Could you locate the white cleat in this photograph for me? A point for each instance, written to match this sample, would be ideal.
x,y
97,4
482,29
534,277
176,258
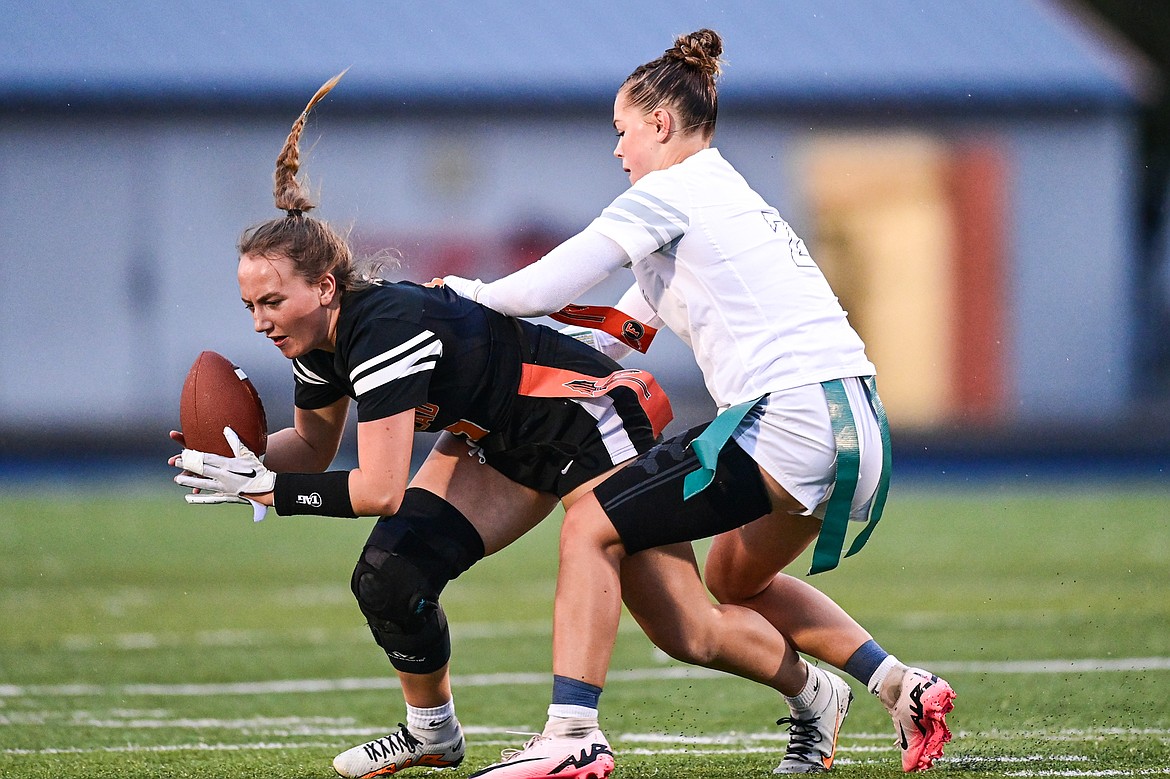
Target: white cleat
x,y
812,734
397,751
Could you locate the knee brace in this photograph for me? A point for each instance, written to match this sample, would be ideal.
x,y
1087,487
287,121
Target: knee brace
x,y
407,561
401,605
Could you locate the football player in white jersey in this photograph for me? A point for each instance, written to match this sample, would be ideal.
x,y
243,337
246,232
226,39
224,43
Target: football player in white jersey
x,y
800,447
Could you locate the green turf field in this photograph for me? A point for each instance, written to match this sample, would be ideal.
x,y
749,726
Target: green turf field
x,y
140,637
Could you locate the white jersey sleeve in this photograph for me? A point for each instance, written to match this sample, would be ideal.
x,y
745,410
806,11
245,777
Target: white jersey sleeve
x,y
644,220
552,282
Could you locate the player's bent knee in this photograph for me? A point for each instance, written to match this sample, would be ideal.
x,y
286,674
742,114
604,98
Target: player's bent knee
x,y
724,584
404,567
730,589
729,576
401,606
586,526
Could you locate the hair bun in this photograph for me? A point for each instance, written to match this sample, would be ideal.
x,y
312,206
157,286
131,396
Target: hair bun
x,y
700,49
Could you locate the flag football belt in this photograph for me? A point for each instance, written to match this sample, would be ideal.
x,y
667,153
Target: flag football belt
x,y
634,334
830,542
542,381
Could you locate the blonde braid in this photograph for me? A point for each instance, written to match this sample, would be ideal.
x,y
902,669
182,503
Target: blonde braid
x,y
290,194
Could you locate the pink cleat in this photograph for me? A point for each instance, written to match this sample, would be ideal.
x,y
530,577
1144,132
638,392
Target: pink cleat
x,y
553,757
920,718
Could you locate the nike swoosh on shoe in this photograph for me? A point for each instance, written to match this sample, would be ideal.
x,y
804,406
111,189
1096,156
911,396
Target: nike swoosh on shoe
x,y
507,765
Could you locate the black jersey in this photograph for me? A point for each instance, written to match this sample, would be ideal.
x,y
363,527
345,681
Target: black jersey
x,y
403,346
545,410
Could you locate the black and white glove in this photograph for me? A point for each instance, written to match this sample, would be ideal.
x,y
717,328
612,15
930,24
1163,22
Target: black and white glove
x,y
225,479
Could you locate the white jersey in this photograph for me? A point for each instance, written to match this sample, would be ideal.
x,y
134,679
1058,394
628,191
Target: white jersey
x,y
732,279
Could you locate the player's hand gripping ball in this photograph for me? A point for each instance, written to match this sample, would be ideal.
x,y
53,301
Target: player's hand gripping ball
x,y
216,395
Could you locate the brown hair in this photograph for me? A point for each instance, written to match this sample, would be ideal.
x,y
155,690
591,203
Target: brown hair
x,y
682,78
314,247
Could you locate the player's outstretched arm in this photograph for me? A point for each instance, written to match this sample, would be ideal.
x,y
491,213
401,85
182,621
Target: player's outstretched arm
x,y
550,283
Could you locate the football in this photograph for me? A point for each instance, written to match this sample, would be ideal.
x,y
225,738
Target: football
x,y
217,394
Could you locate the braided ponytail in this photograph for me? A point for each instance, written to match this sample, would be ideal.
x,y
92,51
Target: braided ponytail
x,y
290,194
314,248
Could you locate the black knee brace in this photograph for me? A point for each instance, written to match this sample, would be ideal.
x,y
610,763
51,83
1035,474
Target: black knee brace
x,y
407,561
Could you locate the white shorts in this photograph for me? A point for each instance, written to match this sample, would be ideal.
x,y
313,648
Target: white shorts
x,y
790,435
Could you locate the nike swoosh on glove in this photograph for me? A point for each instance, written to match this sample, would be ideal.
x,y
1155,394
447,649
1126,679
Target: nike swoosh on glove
x,y
228,479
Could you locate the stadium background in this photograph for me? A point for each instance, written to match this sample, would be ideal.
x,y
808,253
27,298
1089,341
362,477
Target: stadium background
x,y
983,183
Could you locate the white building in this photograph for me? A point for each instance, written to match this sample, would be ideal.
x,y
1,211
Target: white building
x,y
964,172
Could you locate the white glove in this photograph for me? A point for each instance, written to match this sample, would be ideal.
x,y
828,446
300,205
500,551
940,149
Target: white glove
x,y
259,510
212,498
465,288
224,479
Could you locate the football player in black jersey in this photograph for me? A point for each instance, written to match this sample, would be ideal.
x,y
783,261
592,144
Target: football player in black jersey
x,y
531,417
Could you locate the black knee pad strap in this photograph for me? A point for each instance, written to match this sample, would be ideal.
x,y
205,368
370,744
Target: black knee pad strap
x,y
428,529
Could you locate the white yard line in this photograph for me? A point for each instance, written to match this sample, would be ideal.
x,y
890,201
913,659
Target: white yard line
x,y
198,747
294,726
342,731
1108,772
1106,665
732,747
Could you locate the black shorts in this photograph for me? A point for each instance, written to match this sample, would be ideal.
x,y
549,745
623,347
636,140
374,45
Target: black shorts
x,y
644,500
556,444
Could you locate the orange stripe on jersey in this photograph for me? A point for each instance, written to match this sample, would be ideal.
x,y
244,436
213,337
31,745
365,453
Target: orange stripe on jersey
x,y
541,381
631,332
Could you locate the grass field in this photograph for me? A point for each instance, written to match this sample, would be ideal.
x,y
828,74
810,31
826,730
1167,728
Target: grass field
x,y
140,637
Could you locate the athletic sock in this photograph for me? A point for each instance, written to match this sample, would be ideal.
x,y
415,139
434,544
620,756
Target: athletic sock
x,y
439,721
878,679
572,692
573,711
570,721
862,664
803,700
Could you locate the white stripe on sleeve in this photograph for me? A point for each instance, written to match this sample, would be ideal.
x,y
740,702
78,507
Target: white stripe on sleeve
x,y
407,359
304,375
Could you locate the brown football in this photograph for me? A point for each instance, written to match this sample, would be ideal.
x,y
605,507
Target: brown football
x,y
217,394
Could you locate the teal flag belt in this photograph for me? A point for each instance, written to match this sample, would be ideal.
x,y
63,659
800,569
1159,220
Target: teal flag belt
x,y
830,542
708,444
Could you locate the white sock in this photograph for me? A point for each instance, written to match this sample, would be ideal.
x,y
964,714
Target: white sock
x,y
438,719
803,700
879,675
568,721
